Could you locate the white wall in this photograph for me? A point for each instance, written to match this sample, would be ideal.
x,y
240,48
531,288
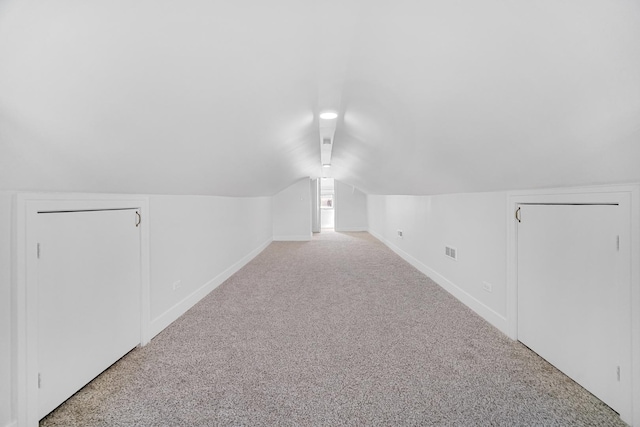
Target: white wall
x,y
482,229
475,224
5,309
292,212
200,241
350,208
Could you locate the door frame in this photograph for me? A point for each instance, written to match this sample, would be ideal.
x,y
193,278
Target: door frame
x,y
315,205
24,289
628,197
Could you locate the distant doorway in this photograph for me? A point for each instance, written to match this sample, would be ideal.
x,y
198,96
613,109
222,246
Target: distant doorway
x,y
327,204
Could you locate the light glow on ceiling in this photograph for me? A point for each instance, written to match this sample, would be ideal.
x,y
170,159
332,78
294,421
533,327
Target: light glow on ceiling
x,y
326,165
328,115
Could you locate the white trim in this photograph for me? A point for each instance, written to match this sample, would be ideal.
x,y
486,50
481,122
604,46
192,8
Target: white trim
x,y
145,261
351,229
495,319
302,238
27,206
629,196
170,315
13,304
635,306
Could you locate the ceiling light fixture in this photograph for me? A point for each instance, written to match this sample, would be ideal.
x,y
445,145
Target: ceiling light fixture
x,y
326,165
328,115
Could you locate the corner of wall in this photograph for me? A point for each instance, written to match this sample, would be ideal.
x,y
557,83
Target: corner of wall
x,y
291,211
351,208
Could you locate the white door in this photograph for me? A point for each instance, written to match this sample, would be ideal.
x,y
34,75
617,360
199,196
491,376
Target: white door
x,y
88,298
571,304
571,292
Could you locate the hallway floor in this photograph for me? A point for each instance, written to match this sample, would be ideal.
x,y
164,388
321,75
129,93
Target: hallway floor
x,y
336,331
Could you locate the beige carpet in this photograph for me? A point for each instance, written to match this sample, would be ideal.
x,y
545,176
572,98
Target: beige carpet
x,y
337,331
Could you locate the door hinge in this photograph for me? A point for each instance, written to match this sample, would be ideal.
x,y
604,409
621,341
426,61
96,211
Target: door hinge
x,y
38,250
618,373
618,242
39,380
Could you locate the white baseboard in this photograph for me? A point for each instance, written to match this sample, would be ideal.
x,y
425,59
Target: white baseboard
x,y
488,314
173,313
351,229
301,238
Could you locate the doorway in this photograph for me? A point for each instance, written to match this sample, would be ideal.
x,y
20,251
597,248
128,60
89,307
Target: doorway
x,y
327,204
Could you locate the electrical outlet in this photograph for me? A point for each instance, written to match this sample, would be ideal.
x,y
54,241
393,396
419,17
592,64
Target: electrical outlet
x,y
487,286
400,234
177,284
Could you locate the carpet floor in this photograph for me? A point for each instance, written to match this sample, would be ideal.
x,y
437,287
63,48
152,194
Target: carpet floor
x,y
336,331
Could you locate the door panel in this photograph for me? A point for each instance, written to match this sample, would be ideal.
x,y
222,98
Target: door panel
x,y
88,298
569,293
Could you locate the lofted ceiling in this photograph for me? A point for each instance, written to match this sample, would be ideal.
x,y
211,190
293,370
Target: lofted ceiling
x,y
222,98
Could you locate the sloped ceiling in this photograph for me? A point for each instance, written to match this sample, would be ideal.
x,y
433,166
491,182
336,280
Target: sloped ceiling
x,y
222,97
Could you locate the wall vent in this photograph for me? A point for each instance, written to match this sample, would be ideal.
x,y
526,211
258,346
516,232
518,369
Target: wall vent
x,y
326,141
451,252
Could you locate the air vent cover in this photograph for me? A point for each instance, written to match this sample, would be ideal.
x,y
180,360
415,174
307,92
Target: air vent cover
x,y
326,141
451,252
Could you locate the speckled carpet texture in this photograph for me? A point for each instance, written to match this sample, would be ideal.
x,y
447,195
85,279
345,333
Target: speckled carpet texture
x,y
336,331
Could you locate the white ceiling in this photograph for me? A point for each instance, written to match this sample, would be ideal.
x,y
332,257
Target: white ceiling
x,y
222,97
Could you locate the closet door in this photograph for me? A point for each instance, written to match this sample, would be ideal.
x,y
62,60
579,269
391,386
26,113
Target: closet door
x,y
573,292
88,298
